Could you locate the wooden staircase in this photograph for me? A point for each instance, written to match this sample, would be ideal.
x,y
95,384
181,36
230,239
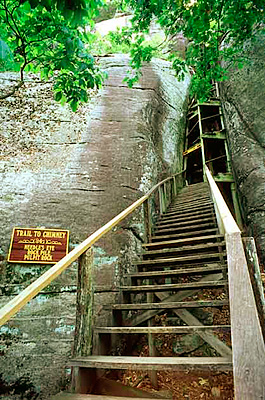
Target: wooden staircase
x,y
182,269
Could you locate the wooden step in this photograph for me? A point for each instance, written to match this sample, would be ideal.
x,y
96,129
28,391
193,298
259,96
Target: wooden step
x,y
175,286
152,363
206,225
190,207
181,271
180,219
158,329
184,229
184,234
186,201
187,194
165,261
170,305
182,213
183,241
183,224
182,249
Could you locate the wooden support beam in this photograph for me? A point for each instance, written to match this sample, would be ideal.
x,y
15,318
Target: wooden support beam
x,y
179,296
208,337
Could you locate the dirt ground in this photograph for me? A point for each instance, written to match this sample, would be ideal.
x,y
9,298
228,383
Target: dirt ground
x,y
186,385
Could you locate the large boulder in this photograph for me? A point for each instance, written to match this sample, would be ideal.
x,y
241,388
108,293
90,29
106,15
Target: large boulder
x,y
243,104
76,172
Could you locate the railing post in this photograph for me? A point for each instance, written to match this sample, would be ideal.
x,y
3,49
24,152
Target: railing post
x,y
160,200
174,186
84,312
84,316
147,221
165,195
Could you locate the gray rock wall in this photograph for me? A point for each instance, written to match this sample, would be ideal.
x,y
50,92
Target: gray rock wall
x,y
76,172
243,104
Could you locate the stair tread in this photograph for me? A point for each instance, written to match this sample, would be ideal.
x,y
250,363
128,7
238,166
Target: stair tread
x,y
179,271
154,237
168,305
154,363
173,286
177,241
191,204
188,211
184,248
187,227
158,329
173,219
178,259
192,199
184,223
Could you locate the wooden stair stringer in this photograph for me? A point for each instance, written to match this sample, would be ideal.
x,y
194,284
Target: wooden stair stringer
x,y
208,337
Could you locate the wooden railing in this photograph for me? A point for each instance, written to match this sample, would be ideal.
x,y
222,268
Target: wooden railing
x,y
247,339
165,189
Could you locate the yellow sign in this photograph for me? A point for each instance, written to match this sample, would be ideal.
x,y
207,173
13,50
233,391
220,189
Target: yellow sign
x,y
191,149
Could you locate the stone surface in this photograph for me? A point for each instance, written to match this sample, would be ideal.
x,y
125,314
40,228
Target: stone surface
x,y
77,171
243,104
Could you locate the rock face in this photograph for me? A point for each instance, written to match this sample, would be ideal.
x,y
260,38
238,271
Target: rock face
x,y
76,172
244,108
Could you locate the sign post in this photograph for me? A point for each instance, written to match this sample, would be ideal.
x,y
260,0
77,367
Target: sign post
x,y
38,246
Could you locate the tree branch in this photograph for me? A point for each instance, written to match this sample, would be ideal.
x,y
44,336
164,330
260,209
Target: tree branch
x,y
12,91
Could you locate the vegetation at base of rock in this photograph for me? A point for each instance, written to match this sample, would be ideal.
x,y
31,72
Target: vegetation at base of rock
x,y
215,29
44,37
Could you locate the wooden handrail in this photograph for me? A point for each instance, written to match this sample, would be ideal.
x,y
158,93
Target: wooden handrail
x,y
229,224
13,306
247,339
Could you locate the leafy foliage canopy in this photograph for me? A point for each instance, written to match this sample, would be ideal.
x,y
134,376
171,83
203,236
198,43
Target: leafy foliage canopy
x,y
215,30
45,36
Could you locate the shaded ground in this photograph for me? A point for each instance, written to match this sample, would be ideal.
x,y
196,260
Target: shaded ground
x,y
189,385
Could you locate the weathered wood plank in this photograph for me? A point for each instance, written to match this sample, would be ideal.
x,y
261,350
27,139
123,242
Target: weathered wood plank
x,y
195,247
176,286
170,305
84,305
173,260
185,234
182,224
159,231
159,329
180,241
152,363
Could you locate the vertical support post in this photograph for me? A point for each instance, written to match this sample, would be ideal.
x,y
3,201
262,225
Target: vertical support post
x,y
165,195
174,186
236,206
84,316
160,200
202,144
147,221
228,159
151,345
